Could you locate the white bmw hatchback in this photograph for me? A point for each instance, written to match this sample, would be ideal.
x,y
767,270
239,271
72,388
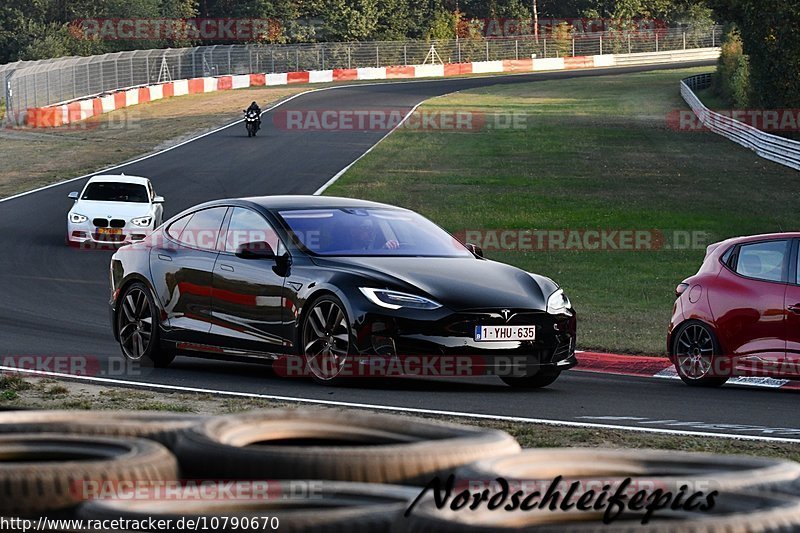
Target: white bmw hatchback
x,y
113,209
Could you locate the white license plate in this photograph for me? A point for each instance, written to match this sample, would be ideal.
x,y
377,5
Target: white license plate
x,y
504,333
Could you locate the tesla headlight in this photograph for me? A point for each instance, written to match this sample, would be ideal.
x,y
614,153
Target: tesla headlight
x,y
396,300
558,303
77,218
142,221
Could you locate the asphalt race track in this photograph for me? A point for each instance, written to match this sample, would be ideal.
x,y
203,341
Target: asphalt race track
x,y
53,300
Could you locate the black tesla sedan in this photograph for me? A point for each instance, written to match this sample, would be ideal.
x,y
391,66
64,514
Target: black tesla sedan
x,y
344,287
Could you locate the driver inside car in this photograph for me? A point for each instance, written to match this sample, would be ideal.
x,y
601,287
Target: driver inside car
x,y
363,234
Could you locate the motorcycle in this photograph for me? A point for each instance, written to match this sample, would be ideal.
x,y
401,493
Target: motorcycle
x,y
251,122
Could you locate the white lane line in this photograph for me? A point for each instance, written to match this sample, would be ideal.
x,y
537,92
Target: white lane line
x,y
187,141
154,154
567,75
413,410
357,159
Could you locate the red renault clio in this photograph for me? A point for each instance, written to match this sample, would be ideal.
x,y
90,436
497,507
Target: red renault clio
x,y
740,314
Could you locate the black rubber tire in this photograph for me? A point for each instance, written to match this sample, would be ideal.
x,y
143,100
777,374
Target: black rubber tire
x,y
671,469
708,381
537,381
334,445
161,427
336,381
157,354
734,512
41,473
328,506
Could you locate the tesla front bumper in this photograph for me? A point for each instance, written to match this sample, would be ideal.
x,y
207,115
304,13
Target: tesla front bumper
x,y
447,343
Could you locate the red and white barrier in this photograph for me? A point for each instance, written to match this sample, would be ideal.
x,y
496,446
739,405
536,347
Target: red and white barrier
x,y
58,115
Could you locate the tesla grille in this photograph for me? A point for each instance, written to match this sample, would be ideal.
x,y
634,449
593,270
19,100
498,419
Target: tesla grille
x,y
117,223
100,222
465,323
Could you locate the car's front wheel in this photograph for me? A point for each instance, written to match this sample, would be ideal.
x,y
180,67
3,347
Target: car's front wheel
x,y
696,350
536,381
137,327
326,340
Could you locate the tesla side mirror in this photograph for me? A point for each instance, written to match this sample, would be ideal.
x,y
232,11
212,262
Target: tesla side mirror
x,y
158,200
73,196
255,250
476,250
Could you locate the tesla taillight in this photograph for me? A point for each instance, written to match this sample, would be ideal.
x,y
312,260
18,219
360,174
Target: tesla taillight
x,y
680,289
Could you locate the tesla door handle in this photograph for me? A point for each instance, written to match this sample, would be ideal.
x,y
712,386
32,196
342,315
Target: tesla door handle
x,y
164,257
795,308
226,268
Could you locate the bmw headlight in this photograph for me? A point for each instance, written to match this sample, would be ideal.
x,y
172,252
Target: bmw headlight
x,y
396,300
142,221
558,303
77,218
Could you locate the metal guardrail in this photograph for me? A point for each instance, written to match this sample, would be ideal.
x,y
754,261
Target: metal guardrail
x,y
55,81
766,145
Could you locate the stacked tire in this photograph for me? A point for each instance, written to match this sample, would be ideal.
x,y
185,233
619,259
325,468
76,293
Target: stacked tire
x,y
325,470
328,470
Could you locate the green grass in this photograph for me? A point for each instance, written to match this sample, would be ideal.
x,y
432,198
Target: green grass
x,y
13,383
596,154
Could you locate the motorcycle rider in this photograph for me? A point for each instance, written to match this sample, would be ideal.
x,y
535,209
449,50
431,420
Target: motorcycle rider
x,y
254,107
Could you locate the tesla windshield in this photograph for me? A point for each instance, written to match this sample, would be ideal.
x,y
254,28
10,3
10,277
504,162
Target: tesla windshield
x,y
115,192
373,231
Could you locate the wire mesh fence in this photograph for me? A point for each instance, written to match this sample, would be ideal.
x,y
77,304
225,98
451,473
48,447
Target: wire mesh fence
x,y
41,83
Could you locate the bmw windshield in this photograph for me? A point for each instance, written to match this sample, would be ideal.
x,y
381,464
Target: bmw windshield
x,y
107,191
370,232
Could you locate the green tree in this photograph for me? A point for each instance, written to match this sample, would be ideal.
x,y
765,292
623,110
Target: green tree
x,y
443,26
349,20
771,40
732,79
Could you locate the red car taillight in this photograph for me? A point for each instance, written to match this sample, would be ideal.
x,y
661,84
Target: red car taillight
x,y
680,289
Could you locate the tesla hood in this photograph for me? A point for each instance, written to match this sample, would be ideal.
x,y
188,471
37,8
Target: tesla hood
x,y
458,283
